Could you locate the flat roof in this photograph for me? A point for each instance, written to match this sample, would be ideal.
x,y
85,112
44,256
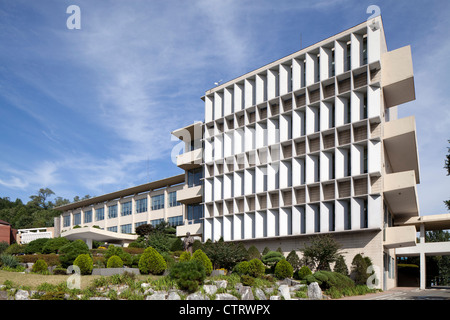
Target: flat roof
x,y
123,193
314,46
431,222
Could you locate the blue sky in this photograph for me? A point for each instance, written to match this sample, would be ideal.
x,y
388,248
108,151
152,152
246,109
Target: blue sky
x,y
90,111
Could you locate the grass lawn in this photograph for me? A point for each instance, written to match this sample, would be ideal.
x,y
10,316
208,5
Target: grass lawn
x,y
32,280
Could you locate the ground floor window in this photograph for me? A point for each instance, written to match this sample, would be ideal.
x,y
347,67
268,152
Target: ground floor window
x,y
125,228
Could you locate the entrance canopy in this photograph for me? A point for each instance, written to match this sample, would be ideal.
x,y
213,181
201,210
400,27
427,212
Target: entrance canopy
x,y
89,234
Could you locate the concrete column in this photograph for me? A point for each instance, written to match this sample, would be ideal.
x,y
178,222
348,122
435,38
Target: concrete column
x,y
105,216
166,202
133,212
89,243
422,259
119,210
422,271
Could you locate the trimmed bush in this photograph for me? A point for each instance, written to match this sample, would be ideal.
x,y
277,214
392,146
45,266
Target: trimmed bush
x,y
200,256
256,268
85,263
283,270
293,259
152,262
359,269
69,252
112,250
253,253
341,266
242,267
53,245
36,246
185,256
59,271
271,258
114,262
328,280
40,266
188,275
304,272
247,280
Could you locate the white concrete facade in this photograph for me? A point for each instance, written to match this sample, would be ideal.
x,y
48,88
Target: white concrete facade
x,y
296,148
122,211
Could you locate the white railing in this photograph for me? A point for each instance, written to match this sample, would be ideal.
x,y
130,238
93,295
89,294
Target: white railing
x,y
30,236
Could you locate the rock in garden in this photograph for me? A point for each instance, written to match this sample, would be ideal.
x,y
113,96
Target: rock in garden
x,y
260,294
158,295
210,288
225,296
284,291
197,296
173,296
314,291
275,298
221,284
246,293
22,295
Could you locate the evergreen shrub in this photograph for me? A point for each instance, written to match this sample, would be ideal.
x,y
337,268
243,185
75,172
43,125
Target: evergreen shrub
x,y
114,262
85,263
188,274
200,256
152,262
283,269
40,266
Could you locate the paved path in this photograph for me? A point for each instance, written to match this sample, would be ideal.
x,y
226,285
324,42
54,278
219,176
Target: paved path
x,y
406,293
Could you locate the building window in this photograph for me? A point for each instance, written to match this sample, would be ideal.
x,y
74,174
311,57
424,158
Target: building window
x,y
88,216
140,223
125,228
66,221
112,211
126,209
77,219
141,205
99,214
112,229
175,221
173,199
156,222
158,202
194,213
194,177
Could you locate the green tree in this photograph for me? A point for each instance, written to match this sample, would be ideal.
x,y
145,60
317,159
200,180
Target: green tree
x,y
294,260
69,252
224,254
322,251
253,253
341,266
40,200
271,258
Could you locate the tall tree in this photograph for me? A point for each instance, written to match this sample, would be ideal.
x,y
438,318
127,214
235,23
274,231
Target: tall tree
x,y
40,199
322,251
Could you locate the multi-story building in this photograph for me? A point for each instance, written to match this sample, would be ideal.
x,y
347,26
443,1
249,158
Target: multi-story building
x,y
311,144
114,217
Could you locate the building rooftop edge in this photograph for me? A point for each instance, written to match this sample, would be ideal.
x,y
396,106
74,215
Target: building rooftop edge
x,y
290,56
125,192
